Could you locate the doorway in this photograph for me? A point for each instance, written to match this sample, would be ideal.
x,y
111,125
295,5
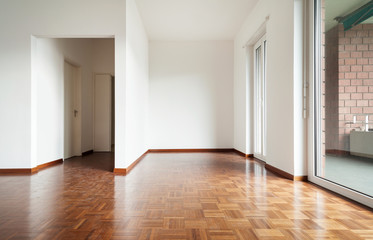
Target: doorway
x,y
63,71
72,110
260,49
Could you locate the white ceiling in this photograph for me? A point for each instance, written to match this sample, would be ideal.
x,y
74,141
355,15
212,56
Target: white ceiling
x,y
340,8
193,19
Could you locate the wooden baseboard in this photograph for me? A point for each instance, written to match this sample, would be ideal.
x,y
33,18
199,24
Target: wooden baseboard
x,y
197,150
243,154
337,152
121,171
259,160
29,171
87,153
279,172
49,164
285,174
130,167
301,178
239,153
11,171
125,171
190,150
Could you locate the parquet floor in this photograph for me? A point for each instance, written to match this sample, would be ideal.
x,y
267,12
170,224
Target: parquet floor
x,y
173,196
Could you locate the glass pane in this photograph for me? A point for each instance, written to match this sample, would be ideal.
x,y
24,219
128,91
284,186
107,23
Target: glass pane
x,y
345,97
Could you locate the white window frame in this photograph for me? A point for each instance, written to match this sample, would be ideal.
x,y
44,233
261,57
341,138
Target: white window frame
x,y
260,108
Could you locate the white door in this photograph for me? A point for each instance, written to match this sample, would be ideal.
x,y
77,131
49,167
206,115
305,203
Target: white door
x,y
72,121
260,134
103,113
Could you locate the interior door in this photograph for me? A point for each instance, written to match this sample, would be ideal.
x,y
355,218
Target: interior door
x,y
72,132
260,49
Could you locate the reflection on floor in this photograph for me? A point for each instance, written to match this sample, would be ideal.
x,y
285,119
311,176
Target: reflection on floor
x,y
351,171
173,196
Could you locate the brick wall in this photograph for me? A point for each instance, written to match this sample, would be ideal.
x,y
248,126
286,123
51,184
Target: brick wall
x,y
354,79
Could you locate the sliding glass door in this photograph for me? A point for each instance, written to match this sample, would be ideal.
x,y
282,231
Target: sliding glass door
x,y
260,49
343,97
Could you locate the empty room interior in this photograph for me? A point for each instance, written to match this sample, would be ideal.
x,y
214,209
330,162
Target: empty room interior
x,y
186,119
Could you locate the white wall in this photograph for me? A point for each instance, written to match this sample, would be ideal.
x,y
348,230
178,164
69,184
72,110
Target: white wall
x,y
48,70
137,86
19,20
300,126
191,94
103,56
283,115
104,62
103,113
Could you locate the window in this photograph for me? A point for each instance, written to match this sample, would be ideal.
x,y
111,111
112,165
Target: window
x,y
260,49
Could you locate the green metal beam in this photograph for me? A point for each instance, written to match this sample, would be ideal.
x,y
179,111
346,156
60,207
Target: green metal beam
x,y
356,17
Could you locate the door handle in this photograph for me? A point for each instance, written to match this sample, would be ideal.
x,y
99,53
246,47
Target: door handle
x,y
75,112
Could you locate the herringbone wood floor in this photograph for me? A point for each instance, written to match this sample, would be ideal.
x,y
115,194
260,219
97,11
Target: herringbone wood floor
x,y
173,196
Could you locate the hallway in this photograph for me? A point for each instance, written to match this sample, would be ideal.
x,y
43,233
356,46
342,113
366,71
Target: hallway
x,y
173,196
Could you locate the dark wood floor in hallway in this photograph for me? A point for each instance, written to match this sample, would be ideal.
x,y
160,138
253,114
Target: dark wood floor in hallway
x,y
173,196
